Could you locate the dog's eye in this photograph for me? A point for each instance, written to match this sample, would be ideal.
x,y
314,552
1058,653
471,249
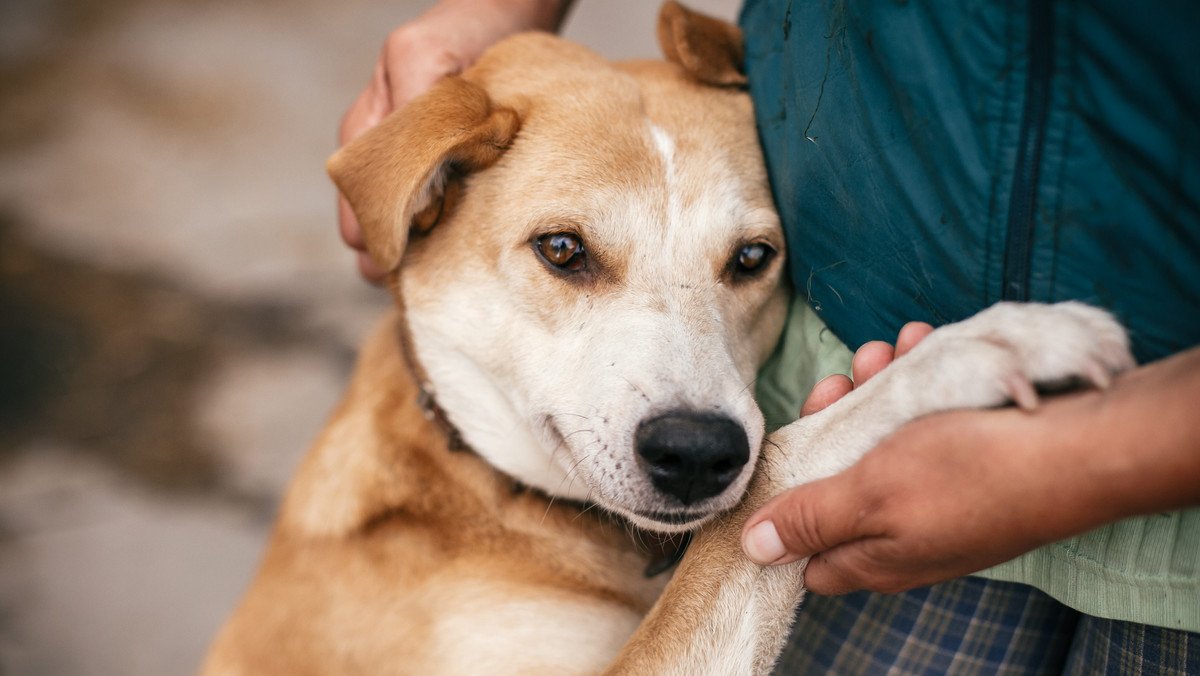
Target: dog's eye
x,y
753,257
562,250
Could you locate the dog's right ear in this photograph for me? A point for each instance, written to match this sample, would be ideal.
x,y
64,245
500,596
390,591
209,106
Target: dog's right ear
x,y
395,174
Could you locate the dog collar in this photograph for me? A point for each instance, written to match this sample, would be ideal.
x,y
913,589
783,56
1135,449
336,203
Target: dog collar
x,y
434,413
666,551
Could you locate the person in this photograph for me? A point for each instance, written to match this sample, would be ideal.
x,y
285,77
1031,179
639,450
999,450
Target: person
x,y
928,161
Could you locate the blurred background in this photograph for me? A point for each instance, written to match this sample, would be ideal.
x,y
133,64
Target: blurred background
x,y
177,313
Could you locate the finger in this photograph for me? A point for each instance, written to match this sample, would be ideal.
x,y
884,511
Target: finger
x,y
368,110
348,226
379,94
352,236
372,105
370,272
826,392
870,359
413,60
833,572
801,522
911,334
418,80
857,565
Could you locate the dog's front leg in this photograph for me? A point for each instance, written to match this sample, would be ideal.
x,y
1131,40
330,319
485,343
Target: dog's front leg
x,y
722,614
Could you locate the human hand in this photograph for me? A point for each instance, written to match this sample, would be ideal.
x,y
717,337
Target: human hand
x,y
875,525
869,359
445,40
943,497
954,493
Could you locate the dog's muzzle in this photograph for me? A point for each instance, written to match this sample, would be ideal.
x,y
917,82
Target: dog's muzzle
x,y
692,456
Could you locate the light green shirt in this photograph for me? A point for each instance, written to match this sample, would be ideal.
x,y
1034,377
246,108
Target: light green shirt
x,y
1144,570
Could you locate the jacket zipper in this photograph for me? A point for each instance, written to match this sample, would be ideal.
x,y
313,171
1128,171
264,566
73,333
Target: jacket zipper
x,y
1022,205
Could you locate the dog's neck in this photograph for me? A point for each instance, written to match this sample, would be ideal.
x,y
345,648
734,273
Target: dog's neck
x,y
434,413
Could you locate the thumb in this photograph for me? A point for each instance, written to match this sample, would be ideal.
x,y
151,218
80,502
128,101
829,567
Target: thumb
x,y
417,73
801,522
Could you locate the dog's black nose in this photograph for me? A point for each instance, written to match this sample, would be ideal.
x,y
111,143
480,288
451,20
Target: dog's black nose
x,y
692,456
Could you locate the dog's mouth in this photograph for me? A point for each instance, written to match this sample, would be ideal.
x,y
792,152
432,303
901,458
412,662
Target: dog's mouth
x,y
674,518
663,517
670,522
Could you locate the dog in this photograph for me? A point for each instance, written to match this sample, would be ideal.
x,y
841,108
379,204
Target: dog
x,y
587,269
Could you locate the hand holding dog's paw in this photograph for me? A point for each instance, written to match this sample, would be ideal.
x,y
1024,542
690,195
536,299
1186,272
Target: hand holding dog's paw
x,y
955,493
945,496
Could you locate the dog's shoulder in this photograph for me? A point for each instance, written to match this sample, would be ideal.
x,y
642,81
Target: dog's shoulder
x,y
385,521
375,452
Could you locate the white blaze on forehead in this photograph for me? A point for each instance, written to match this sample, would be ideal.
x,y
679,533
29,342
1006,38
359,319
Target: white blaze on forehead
x,y
666,149
665,145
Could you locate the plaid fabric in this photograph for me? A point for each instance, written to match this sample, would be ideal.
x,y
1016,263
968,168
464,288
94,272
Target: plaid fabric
x,y
1113,647
975,626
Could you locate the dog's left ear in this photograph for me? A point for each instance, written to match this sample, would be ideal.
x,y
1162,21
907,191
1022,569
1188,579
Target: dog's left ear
x,y
709,49
395,174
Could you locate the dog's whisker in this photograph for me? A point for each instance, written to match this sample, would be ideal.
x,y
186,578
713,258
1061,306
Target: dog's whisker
x,y
572,415
750,385
570,476
546,514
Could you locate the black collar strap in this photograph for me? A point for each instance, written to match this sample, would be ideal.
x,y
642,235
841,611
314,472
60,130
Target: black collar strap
x,y
434,413
669,552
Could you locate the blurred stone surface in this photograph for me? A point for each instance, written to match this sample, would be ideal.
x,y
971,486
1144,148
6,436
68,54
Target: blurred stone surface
x,y
177,314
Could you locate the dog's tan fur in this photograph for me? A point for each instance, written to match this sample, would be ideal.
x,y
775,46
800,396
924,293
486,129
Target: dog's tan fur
x,y
396,552
659,172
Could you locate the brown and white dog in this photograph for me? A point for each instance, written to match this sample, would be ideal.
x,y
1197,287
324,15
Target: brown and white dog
x,y
587,271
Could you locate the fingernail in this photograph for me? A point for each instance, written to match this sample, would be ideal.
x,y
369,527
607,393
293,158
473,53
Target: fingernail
x,y
762,544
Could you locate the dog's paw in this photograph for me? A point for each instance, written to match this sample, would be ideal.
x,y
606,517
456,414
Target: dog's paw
x,y
1005,353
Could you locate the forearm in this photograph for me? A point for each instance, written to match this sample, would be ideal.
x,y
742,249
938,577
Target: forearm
x,y
547,15
1130,450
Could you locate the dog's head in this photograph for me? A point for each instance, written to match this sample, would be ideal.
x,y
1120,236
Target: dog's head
x,y
590,264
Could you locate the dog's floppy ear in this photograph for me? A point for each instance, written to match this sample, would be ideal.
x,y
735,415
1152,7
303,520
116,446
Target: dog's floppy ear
x,y
394,175
707,48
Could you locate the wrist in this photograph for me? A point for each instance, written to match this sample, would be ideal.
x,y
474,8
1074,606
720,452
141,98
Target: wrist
x,y
544,15
1146,436
547,15
1127,451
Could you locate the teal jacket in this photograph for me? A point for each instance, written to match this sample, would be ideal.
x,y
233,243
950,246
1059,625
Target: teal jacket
x,y
929,161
